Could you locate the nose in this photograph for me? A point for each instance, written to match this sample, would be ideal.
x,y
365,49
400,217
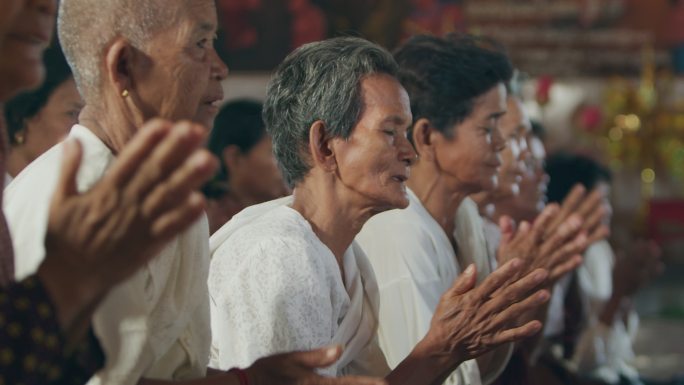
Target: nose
x,y
498,141
407,153
524,160
219,70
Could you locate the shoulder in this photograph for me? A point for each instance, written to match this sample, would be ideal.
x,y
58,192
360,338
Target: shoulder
x,y
277,245
399,232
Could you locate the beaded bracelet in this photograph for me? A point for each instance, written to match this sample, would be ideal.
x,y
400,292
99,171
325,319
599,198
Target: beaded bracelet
x,y
241,375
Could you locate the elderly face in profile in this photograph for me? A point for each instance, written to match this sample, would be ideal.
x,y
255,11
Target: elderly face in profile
x,y
353,147
141,67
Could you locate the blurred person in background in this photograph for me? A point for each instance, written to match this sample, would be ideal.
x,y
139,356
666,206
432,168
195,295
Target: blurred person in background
x,y
599,322
40,118
248,172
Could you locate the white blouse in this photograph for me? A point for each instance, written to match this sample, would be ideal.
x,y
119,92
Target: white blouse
x,y
275,287
415,263
153,325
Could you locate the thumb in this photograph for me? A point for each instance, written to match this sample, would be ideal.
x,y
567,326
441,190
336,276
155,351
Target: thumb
x,y
465,281
71,161
319,358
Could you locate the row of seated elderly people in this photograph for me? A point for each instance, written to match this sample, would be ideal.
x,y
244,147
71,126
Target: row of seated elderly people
x,y
396,256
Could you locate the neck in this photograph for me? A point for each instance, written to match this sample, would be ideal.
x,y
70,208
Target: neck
x,y
111,125
439,199
17,161
240,196
334,219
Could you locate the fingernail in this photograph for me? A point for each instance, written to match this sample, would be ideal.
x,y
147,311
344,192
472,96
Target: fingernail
x,y
331,352
470,270
543,296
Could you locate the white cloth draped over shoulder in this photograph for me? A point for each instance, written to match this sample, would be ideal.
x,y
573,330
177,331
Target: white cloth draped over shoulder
x,y
415,263
155,324
275,287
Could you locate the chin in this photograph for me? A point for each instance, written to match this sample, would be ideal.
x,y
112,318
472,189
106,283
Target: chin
x,y
395,201
27,80
205,118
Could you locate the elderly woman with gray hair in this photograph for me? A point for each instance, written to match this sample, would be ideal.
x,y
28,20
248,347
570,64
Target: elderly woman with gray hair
x,y
287,274
148,59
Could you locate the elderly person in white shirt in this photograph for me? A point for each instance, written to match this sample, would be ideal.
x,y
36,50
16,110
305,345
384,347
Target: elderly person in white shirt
x,y
287,274
148,59
457,89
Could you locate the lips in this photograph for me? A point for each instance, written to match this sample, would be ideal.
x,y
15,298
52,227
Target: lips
x,y
38,37
402,177
214,100
494,164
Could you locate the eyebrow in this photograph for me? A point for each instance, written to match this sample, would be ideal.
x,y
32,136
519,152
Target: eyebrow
x,y
206,27
395,119
496,115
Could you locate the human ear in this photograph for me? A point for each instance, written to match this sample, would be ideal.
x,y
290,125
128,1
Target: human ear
x,y
321,146
118,66
422,135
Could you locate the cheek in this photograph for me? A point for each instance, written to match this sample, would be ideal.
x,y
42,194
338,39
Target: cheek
x,y
189,92
367,168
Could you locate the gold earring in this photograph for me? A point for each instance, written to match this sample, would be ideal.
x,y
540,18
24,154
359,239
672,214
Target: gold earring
x,y
124,93
19,138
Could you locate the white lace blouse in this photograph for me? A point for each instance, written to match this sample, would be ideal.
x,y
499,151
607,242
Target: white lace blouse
x,y
275,287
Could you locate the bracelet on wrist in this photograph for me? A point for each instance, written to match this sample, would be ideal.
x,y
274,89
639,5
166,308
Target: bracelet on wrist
x,y
241,375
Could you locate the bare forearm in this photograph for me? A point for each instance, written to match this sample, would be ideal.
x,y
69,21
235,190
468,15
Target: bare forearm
x,y
422,367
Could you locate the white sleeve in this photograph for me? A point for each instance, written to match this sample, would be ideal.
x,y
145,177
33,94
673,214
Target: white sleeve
x,y
267,298
408,294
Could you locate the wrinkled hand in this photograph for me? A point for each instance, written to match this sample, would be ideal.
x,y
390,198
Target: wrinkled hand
x,y
588,207
558,252
98,238
470,321
634,270
299,368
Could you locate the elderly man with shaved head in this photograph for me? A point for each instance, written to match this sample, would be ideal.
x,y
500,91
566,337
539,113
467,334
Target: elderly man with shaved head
x,y
148,59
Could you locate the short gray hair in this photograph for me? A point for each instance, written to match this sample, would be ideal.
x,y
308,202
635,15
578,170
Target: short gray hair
x,y
86,27
319,81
